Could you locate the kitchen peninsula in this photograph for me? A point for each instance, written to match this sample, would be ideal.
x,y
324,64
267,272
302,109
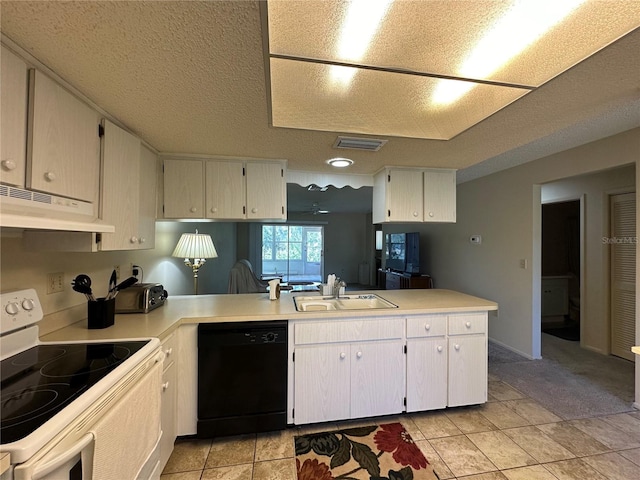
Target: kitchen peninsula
x,y
429,353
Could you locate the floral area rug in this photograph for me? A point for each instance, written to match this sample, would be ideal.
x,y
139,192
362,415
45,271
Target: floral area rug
x,y
376,452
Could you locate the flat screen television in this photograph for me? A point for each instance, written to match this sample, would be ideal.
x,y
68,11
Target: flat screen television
x,y
402,252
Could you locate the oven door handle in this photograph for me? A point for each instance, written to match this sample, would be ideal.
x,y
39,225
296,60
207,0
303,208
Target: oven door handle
x,y
41,470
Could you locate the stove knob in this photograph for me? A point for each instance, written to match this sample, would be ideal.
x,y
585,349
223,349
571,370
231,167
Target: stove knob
x,y
28,304
12,308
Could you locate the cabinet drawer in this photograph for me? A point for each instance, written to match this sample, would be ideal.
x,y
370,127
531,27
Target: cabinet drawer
x,y
463,324
427,326
170,349
306,333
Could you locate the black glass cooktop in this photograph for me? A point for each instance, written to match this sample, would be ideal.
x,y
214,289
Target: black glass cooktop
x,y
39,382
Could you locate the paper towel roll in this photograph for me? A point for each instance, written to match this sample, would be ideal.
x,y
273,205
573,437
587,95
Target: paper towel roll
x,y
274,289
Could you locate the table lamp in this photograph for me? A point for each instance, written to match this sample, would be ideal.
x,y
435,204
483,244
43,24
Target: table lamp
x,y
197,246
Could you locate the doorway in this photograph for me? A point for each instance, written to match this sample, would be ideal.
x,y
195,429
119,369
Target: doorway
x,y
561,269
622,242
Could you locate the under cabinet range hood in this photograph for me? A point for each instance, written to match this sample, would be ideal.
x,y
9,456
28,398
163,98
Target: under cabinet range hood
x,y
20,208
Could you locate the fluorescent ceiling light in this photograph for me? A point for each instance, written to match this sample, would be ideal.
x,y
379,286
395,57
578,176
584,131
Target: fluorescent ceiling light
x,y
361,22
522,25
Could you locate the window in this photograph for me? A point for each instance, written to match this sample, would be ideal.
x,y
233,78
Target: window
x,y
293,252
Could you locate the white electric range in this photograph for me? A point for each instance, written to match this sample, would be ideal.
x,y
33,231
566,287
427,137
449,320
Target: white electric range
x,y
76,410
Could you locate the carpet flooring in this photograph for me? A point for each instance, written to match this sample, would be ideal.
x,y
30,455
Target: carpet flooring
x,y
570,381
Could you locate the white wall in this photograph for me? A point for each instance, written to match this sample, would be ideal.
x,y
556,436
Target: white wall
x,y
505,209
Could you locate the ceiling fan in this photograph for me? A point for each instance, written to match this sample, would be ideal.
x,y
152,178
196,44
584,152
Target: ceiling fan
x,y
316,210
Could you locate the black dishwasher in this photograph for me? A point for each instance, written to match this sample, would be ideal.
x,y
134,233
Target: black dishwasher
x,y
242,378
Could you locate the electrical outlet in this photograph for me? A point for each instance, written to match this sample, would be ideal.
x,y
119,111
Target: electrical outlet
x,y
55,282
117,269
523,263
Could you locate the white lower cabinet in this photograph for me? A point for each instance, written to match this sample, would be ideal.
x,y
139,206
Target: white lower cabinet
x,y
168,407
355,368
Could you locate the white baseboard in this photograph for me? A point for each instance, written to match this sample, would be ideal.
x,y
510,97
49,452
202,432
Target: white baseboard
x,y
508,347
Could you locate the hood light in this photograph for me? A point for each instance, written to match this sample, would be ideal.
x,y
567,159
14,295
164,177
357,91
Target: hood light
x,y
340,162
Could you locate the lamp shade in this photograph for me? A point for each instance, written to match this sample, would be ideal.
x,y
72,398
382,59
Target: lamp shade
x,y
195,245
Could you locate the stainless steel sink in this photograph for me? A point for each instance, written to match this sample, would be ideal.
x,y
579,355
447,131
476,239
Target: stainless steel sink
x,y
347,302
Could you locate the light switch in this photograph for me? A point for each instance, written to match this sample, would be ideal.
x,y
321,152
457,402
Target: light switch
x,y
523,263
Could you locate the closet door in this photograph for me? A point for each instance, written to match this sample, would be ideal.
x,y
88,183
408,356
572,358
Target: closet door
x,y
623,274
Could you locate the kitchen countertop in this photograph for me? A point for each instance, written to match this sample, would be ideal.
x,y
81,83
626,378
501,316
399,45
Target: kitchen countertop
x,y
636,350
187,309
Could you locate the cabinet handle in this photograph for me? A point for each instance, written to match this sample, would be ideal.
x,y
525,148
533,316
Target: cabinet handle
x,y
431,214
254,210
168,351
456,346
193,209
133,239
9,164
439,348
165,385
427,327
50,176
343,355
142,240
214,210
415,214
359,354
468,324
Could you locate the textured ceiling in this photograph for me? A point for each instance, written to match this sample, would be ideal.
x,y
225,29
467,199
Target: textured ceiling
x,y
189,77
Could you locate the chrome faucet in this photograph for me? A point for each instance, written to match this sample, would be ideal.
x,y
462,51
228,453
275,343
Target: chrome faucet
x,y
337,285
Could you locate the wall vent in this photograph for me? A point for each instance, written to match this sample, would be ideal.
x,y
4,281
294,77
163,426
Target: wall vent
x,y
354,143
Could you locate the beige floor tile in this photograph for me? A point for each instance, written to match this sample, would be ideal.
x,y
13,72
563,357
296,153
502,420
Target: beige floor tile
x,y
535,472
605,433
501,450
625,422
486,476
470,420
235,472
574,469
435,425
228,451
274,445
502,416
633,455
411,428
635,414
613,466
195,475
493,378
537,444
284,469
503,391
532,411
462,456
573,439
434,459
188,455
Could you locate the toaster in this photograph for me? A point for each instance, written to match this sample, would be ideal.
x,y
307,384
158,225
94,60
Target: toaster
x,y
140,298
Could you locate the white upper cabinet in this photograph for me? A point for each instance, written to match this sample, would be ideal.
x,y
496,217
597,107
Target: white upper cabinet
x,y
183,189
404,195
63,148
266,191
13,118
148,198
397,196
225,189
439,195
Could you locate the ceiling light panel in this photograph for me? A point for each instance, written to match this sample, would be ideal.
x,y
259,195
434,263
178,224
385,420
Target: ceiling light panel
x,y
441,37
378,103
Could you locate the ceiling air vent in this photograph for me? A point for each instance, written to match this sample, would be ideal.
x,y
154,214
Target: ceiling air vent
x,y
370,145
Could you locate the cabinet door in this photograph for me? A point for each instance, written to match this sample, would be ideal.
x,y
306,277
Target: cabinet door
x,y
377,378
322,383
467,370
404,196
439,195
120,188
168,413
266,191
13,112
64,146
225,190
183,189
426,373
148,198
